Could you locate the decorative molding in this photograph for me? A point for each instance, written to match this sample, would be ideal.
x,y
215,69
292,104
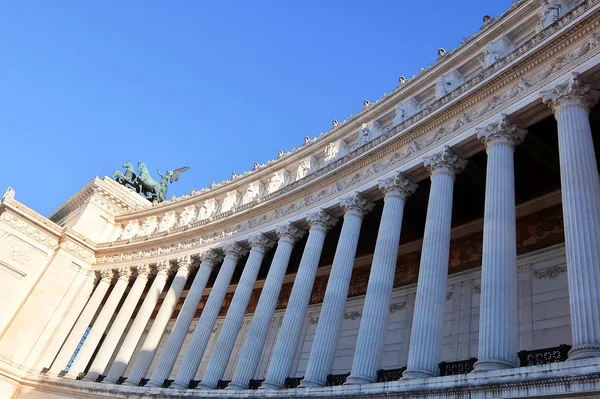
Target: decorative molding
x,y
29,229
550,272
395,307
352,315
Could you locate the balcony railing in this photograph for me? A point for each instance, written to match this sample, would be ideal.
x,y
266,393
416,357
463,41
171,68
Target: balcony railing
x,y
456,368
292,382
389,375
544,356
254,384
336,379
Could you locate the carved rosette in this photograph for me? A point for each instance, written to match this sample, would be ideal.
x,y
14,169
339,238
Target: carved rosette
x,y
211,258
234,250
321,220
261,242
289,232
397,186
445,161
503,131
106,275
356,205
163,267
573,92
124,273
143,271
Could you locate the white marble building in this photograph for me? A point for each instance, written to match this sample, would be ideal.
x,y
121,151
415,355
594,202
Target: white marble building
x,y
442,242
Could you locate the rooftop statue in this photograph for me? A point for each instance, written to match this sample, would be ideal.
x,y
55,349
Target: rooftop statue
x,y
143,184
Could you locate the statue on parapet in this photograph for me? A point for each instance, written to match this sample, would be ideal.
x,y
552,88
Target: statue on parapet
x,y
143,184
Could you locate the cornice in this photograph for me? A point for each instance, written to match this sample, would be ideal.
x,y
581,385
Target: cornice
x,y
375,158
385,104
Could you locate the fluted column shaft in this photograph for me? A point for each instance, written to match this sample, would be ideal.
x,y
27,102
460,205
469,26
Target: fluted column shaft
x,y
150,345
369,344
118,326
195,350
332,310
233,320
106,314
498,316
184,320
261,321
83,322
425,338
291,326
137,327
581,210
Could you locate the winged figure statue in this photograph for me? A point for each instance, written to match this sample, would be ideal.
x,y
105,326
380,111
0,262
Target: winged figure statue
x,y
144,184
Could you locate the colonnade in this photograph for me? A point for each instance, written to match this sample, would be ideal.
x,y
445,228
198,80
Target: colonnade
x,y
498,343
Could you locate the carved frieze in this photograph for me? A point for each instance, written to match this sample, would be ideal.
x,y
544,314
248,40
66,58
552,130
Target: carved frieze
x,y
29,229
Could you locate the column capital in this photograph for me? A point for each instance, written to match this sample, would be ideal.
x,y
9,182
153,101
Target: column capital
x,y
356,205
573,92
184,261
261,242
445,162
211,258
163,267
143,271
106,275
321,220
289,232
124,273
234,250
397,186
502,131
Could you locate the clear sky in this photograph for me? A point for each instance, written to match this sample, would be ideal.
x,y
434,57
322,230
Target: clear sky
x,y
214,85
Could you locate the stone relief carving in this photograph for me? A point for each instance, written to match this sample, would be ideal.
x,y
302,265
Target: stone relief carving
x,y
550,272
276,181
364,135
447,83
352,315
395,307
148,226
229,201
552,10
496,50
167,221
208,209
405,110
186,216
591,44
302,170
29,229
252,192
130,230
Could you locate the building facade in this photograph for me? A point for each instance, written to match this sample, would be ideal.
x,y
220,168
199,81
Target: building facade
x,y
443,242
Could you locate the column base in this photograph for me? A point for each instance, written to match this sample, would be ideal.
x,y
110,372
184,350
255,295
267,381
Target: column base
x,y
206,386
358,380
481,366
130,383
311,384
234,386
584,352
153,385
417,374
92,377
105,381
270,385
177,385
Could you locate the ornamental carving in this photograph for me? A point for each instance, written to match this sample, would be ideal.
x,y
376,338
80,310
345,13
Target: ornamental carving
x,y
445,161
502,131
571,92
352,315
29,229
261,242
397,185
550,272
290,232
395,307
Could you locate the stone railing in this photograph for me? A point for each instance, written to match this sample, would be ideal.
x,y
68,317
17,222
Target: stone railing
x,y
544,356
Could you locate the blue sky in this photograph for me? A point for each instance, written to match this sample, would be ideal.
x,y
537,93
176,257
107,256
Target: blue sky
x,y
214,85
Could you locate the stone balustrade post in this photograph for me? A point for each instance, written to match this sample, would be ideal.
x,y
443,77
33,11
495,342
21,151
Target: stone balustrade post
x,y
332,311
426,334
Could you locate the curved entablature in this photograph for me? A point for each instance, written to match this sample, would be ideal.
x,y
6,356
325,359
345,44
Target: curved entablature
x,y
183,227
419,93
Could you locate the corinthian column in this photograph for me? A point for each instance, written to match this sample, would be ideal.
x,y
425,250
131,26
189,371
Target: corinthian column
x,y
150,345
381,281
175,341
498,315
261,321
197,346
119,324
137,327
106,314
83,322
580,186
332,310
231,326
291,326
428,318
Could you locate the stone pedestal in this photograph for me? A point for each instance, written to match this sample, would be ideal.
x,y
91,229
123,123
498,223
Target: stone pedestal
x,y
581,209
261,321
118,326
369,343
150,345
195,350
291,326
100,324
184,320
231,326
428,319
498,317
332,310
119,365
